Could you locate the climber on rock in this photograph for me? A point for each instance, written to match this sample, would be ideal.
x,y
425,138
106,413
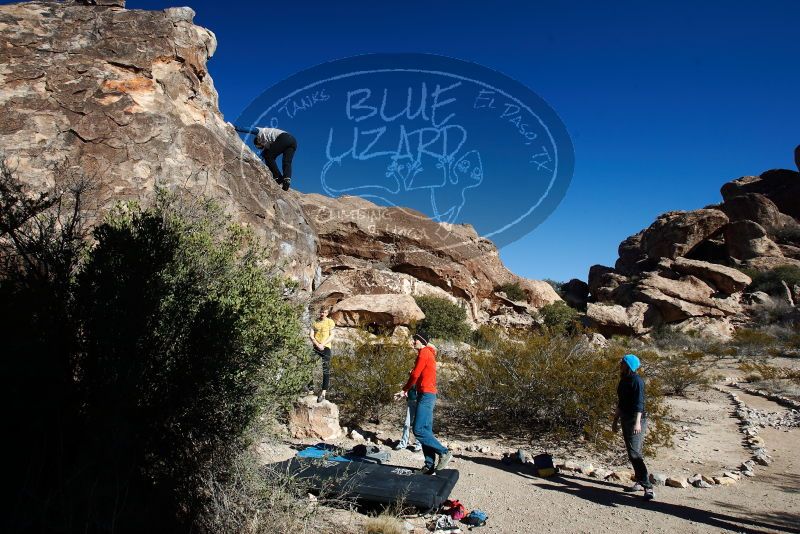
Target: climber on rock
x,y
274,142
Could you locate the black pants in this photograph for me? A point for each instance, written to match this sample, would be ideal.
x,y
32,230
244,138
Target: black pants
x,y
633,446
326,366
285,144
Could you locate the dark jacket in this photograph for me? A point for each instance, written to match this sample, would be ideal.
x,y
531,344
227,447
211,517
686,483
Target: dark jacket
x,y
630,395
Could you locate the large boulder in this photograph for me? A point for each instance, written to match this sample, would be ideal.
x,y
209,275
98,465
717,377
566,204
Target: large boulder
x,y
767,263
377,309
604,282
672,235
311,419
676,233
613,319
679,299
781,186
341,284
725,279
760,209
125,97
747,239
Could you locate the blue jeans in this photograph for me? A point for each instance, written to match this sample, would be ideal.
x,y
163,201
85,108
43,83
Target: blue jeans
x,y
423,429
411,413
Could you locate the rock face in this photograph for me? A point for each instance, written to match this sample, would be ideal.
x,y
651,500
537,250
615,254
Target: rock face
x,y
368,248
311,419
377,309
685,268
125,96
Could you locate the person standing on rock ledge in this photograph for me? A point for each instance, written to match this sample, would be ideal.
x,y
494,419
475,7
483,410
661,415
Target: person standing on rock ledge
x,y
274,142
423,378
321,337
630,410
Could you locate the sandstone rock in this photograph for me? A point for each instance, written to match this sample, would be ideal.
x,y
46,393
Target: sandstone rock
x,y
658,479
600,473
747,239
681,299
762,459
781,186
732,474
721,329
125,96
571,465
603,282
586,468
759,209
311,419
676,482
767,263
385,310
621,476
676,233
725,279
453,258
371,281
707,479
724,481
611,319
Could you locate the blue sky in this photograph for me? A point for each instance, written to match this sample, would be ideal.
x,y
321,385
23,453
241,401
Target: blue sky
x,y
664,102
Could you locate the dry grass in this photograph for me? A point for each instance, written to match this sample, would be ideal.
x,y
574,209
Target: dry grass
x,y
384,524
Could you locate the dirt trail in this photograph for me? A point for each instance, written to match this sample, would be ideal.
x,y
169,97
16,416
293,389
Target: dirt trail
x,y
519,502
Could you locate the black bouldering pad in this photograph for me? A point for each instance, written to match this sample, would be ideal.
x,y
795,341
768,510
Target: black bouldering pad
x,y
383,484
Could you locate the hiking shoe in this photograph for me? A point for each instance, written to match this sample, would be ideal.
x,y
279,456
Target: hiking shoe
x,y
417,448
321,397
444,460
425,471
286,183
649,495
400,446
633,489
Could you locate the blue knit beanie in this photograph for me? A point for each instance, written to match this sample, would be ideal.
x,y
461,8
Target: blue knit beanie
x,y
632,361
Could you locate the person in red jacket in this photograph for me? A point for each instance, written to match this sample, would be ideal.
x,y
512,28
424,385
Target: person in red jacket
x,y
423,377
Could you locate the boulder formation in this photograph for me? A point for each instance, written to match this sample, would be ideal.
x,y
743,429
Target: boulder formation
x,y
311,419
369,249
124,97
687,267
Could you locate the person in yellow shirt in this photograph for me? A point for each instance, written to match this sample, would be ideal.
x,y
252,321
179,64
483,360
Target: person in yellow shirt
x,y
321,335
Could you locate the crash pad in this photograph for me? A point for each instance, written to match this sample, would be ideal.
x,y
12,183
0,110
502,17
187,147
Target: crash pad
x,y
383,484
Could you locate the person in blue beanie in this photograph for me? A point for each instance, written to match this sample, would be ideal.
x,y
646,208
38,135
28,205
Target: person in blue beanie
x,y
631,413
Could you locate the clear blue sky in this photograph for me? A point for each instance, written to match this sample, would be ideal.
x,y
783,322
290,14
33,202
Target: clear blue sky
x,y
664,101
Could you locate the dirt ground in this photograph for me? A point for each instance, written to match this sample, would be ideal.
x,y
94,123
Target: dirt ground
x,y
707,441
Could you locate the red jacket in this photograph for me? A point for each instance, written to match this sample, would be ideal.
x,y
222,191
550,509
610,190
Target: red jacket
x,y
423,376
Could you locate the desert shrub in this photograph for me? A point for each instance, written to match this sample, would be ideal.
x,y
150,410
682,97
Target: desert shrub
x,y
486,337
770,281
559,318
513,291
679,372
547,383
385,524
443,319
171,341
749,342
366,375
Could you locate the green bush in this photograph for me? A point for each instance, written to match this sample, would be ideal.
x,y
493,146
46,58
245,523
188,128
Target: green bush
x,y
172,342
366,375
679,372
559,318
443,319
770,281
548,384
513,291
752,343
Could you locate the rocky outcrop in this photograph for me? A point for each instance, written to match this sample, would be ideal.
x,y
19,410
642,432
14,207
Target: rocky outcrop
x,y
407,253
686,267
124,96
377,309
